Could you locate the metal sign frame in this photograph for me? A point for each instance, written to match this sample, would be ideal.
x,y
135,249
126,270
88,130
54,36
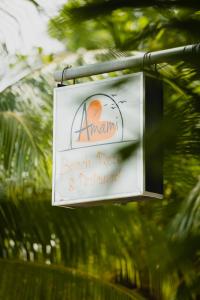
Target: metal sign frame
x,y
151,115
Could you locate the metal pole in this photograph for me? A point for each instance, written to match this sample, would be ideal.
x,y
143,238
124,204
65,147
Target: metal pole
x,y
148,58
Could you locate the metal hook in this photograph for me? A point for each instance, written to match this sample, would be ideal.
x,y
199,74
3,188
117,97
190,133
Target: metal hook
x,y
195,49
62,78
146,56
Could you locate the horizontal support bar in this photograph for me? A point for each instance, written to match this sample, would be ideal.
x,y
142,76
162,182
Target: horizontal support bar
x,y
149,58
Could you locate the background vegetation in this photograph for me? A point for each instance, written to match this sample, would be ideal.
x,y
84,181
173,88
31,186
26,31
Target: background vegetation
x,y
144,250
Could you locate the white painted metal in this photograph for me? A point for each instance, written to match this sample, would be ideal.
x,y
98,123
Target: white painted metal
x,y
87,171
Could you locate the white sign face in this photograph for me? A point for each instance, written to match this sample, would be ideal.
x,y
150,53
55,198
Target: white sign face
x,y
92,122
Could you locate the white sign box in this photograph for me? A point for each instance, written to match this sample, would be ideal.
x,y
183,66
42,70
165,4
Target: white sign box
x,y
93,123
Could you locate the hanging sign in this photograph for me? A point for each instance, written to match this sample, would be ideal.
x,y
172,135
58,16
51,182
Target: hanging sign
x,y
93,124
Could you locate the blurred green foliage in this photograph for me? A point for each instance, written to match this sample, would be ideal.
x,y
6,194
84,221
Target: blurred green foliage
x,y
53,282
127,25
144,250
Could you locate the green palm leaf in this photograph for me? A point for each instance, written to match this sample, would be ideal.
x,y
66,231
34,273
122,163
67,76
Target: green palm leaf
x,y
93,9
23,281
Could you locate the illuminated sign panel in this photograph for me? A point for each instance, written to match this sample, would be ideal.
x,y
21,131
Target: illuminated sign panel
x,y
93,124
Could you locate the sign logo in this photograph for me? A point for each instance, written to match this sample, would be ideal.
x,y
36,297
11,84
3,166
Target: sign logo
x,y
98,120
93,128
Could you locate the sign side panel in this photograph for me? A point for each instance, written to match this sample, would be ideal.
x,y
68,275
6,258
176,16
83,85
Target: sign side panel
x,y
153,150
54,145
142,126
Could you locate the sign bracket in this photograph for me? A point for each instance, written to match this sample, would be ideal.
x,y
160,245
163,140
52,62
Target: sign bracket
x,y
149,58
62,79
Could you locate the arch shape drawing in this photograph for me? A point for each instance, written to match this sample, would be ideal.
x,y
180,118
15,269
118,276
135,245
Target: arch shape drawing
x,y
98,120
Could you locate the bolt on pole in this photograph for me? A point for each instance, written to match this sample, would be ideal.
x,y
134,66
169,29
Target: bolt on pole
x,y
149,58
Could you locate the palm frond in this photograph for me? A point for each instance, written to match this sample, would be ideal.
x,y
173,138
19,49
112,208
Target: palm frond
x,y
95,243
21,135
93,9
34,281
121,244
188,218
